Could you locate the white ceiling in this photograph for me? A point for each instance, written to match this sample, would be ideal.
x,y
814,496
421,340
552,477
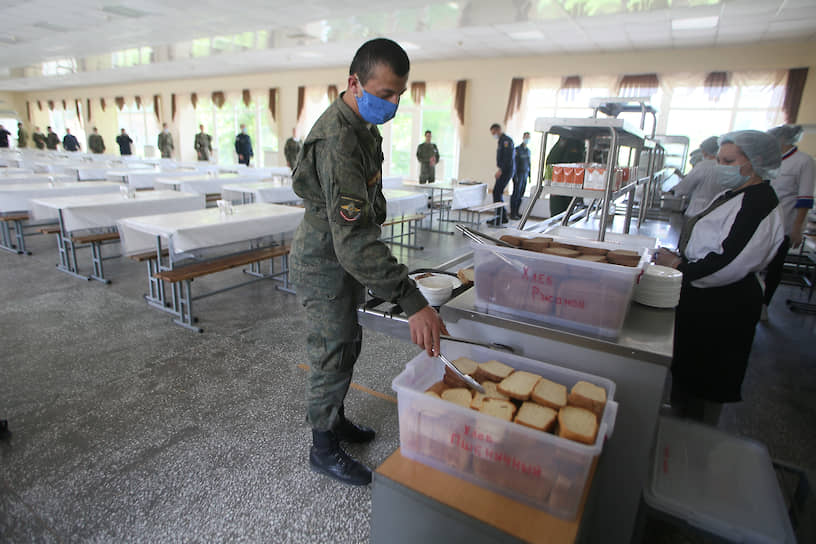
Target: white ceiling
x,y
312,33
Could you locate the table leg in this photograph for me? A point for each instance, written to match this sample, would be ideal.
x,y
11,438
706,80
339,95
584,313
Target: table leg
x,y
67,252
21,247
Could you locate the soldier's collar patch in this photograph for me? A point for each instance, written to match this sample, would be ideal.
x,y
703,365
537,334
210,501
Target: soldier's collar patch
x,y
350,208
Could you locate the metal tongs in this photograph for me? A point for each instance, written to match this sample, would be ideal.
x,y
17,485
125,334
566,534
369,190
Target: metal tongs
x,y
473,384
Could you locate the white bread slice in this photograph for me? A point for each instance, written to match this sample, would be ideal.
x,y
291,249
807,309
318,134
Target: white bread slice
x,y
551,394
432,394
466,275
437,388
588,395
478,401
465,366
493,371
577,424
502,409
536,416
458,395
492,391
519,385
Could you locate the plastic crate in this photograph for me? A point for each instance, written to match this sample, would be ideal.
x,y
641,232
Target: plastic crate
x,y
541,469
586,297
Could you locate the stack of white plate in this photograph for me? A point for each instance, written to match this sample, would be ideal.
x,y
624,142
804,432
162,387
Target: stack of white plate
x,y
659,287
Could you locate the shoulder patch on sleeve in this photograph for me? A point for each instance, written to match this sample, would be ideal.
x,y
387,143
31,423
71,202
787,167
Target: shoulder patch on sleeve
x,y
349,208
506,143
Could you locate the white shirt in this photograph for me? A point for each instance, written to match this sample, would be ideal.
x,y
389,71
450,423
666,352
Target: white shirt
x,y
689,184
794,185
738,238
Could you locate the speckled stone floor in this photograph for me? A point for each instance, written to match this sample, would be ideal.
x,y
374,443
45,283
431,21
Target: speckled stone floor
x,y
127,428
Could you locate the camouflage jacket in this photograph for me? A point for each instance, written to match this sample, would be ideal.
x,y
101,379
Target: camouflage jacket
x,y
291,151
339,178
427,151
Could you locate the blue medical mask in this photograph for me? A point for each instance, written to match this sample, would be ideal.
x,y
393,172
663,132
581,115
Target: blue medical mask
x,y
375,110
526,141
729,177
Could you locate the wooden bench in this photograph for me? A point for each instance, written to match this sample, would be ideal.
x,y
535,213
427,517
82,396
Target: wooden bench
x,y
181,278
494,207
211,198
147,256
95,238
95,241
6,242
402,221
49,229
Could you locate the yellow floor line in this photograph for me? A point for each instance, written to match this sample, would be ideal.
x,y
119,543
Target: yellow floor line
x,y
358,387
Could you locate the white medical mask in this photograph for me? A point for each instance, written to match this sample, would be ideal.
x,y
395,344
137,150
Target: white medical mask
x,y
729,177
495,136
526,141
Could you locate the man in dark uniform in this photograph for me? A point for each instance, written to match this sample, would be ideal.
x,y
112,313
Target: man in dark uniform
x,y
521,175
565,150
22,136
124,142
203,144
243,146
95,142
4,136
69,141
337,251
165,142
39,138
504,162
428,155
291,150
51,140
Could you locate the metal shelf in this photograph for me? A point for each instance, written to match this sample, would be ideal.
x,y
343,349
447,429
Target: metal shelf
x,y
584,128
589,193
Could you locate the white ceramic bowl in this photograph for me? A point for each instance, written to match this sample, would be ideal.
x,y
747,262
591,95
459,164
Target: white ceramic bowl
x,y
436,289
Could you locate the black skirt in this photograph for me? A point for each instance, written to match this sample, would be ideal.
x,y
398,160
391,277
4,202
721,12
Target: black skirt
x,y
714,331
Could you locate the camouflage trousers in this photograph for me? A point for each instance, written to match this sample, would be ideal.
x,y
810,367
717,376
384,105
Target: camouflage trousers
x,y
427,173
333,343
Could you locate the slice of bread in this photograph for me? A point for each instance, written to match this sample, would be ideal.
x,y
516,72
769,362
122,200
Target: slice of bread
x,y
502,409
519,385
587,250
593,258
536,416
623,257
458,395
493,371
465,366
437,388
562,252
536,244
564,245
577,424
492,391
512,240
466,275
550,394
433,394
588,395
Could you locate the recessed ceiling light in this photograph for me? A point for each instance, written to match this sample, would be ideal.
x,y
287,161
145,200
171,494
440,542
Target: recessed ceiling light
x,y
50,26
409,46
124,11
695,23
526,35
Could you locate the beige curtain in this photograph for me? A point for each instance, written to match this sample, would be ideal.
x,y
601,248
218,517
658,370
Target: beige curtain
x,y
418,91
172,107
138,100
301,101
332,93
459,100
514,100
120,102
102,104
218,99
716,84
273,102
194,100
794,89
638,85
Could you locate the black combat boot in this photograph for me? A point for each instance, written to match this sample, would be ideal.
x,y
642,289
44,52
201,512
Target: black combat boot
x,y
346,431
327,457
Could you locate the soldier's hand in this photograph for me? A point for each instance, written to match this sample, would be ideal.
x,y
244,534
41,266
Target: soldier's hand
x,y
426,326
498,173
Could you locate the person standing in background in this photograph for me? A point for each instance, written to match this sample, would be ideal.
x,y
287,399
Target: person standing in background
x,y
243,146
4,136
95,142
291,150
504,162
521,175
69,141
38,138
203,144
793,185
51,139
165,142
22,136
124,142
428,155
699,184
565,150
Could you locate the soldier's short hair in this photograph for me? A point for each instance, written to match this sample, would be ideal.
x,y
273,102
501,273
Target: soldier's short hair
x,y
379,51
496,126
427,132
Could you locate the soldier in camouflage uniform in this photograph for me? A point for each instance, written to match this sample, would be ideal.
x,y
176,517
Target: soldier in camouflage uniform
x,y
165,142
291,150
95,142
428,155
336,251
203,144
38,138
22,136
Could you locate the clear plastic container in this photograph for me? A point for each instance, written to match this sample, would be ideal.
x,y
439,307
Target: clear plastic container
x,y
541,469
586,297
719,483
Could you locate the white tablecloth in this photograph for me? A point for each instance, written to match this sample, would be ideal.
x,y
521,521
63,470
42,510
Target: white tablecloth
x,y
187,231
85,173
21,179
465,196
402,202
200,184
17,198
15,171
143,179
392,182
99,211
262,191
